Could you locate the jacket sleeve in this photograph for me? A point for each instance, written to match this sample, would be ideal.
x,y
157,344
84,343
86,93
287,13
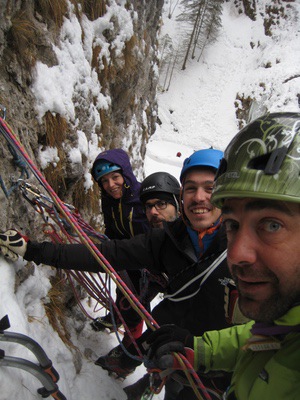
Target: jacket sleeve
x,y
129,254
219,350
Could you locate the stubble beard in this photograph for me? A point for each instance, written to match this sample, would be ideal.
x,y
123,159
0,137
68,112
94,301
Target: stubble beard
x,y
271,309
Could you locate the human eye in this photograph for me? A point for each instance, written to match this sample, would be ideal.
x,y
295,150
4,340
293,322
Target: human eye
x,y
209,188
160,205
230,225
271,226
189,188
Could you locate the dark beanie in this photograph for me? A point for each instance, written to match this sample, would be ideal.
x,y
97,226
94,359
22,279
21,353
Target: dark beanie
x,y
169,197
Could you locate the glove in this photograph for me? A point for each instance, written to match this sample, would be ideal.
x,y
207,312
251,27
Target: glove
x,y
13,244
165,359
166,340
170,333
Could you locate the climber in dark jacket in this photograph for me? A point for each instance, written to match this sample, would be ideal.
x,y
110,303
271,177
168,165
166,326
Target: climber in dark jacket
x,y
124,217
191,251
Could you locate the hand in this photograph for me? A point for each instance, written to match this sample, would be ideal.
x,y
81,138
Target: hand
x,y
165,359
13,244
170,333
166,340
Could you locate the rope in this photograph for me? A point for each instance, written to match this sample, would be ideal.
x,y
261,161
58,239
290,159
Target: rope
x,y
93,283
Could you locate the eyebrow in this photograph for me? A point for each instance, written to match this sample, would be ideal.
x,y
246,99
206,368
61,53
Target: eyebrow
x,y
258,205
208,182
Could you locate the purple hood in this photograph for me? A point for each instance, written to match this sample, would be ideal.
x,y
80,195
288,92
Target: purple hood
x,y
120,157
132,209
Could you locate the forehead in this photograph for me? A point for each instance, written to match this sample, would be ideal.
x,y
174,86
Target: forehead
x,y
110,175
152,201
199,176
233,205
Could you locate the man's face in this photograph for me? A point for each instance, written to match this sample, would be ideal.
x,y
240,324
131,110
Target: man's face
x,y
163,211
196,194
264,255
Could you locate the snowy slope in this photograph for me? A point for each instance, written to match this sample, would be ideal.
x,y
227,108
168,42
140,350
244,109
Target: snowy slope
x,y
199,110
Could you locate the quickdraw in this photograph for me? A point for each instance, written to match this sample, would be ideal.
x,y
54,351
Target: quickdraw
x,y
44,371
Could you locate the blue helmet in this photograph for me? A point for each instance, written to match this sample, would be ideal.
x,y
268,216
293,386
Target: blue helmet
x,y
103,167
202,158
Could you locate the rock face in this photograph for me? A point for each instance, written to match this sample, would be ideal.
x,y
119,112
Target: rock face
x,y
113,49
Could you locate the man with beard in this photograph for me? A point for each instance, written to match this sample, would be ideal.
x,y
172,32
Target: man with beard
x,y
159,195
258,189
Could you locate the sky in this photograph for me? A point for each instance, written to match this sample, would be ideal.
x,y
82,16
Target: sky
x,y
197,112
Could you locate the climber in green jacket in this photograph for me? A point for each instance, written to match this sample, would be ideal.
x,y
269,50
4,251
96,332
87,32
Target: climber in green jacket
x,y
257,187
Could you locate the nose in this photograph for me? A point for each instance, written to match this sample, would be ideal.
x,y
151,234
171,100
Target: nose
x,y
152,211
201,194
241,248
110,183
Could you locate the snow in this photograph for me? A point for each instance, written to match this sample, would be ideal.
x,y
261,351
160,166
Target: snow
x,y
197,112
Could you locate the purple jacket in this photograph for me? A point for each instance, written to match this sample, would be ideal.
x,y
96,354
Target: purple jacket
x,y
125,217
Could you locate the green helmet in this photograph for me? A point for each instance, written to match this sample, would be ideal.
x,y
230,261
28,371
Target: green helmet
x,y
262,161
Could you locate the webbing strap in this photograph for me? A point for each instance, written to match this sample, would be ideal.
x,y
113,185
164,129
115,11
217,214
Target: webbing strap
x,y
209,270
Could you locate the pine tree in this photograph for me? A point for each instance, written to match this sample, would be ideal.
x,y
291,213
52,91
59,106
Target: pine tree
x,y
204,18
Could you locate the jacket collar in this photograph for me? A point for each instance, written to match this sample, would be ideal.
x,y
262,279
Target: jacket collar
x,y
289,322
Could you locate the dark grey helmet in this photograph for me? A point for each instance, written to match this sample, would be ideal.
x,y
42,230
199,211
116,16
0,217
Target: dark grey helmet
x,y
159,182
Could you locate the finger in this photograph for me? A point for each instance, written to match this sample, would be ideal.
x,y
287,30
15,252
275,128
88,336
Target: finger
x,y
166,361
170,348
9,254
164,330
160,341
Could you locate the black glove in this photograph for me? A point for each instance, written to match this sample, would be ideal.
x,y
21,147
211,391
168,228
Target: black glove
x,y
166,340
170,333
13,244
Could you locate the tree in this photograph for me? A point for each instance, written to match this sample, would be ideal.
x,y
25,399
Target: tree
x,y
204,17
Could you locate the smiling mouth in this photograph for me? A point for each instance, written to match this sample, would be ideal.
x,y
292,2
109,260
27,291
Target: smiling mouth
x,y
115,190
200,211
